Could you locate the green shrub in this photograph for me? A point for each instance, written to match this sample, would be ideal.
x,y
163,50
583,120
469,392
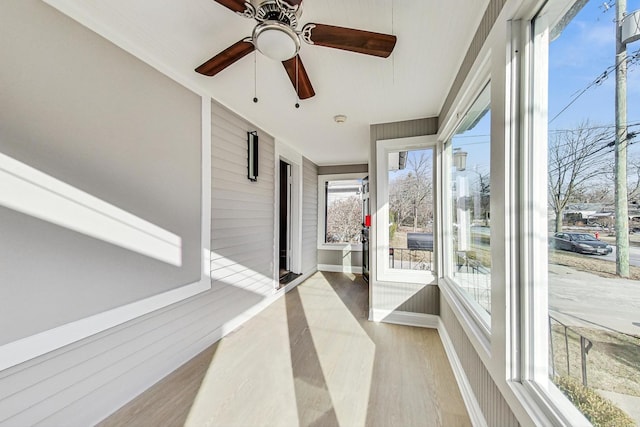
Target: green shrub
x,y
599,411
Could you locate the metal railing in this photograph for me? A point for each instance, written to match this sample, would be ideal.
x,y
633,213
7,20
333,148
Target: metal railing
x,y
410,259
564,332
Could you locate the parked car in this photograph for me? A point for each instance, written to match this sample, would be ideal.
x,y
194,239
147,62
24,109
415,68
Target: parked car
x,y
583,243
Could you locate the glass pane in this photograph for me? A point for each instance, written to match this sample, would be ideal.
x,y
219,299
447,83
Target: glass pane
x,y
344,211
470,195
594,321
411,209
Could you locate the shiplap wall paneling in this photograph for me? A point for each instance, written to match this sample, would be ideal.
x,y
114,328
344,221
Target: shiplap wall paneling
x,y
493,405
486,24
241,210
309,215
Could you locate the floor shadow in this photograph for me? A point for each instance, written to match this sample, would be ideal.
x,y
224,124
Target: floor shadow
x,y
315,407
354,293
170,399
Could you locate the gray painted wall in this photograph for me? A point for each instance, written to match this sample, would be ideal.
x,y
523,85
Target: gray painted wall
x,y
309,215
398,296
495,409
242,250
80,384
77,108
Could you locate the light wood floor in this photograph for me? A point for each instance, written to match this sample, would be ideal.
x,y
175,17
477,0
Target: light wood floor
x,y
309,359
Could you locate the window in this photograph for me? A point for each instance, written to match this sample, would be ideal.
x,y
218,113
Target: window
x,y
411,209
405,208
340,215
343,213
593,345
469,193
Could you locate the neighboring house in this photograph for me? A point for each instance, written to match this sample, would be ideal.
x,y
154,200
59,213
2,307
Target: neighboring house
x,y
131,238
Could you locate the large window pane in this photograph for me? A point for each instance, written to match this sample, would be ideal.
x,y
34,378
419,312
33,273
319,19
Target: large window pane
x,y
593,312
343,211
411,209
470,194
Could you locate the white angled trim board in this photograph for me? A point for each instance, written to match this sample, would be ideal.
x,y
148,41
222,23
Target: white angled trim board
x,y
340,268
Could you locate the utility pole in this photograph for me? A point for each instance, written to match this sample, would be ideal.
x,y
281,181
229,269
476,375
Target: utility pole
x,y
621,143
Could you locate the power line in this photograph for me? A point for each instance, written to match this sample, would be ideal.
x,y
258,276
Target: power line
x,y
631,59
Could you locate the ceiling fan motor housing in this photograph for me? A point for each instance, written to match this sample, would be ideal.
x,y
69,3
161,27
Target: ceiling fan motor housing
x,y
277,10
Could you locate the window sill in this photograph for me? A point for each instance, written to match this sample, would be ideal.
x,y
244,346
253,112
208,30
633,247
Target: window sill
x,y
344,247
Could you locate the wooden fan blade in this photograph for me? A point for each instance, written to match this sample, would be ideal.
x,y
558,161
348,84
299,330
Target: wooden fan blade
x,y
350,39
302,83
235,5
225,58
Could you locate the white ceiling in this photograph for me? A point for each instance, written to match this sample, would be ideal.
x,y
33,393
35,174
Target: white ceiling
x,y
177,36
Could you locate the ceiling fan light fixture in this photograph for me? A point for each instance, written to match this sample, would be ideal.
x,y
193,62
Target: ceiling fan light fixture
x,y
276,41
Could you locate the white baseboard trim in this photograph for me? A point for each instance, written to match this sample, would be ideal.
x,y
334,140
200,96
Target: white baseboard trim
x,y
468,396
340,268
405,318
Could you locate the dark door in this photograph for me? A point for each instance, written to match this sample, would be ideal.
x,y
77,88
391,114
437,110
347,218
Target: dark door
x,y
365,228
285,210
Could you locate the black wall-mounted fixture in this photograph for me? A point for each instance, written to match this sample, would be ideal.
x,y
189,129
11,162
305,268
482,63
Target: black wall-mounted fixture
x,y
252,149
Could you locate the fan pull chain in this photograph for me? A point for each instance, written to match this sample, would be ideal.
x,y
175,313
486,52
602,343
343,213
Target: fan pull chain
x,y
255,77
297,89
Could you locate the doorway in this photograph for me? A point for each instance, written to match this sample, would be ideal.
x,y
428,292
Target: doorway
x,y
286,273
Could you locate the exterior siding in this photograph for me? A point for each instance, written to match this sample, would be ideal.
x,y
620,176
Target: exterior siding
x,y
309,216
242,250
400,297
495,409
84,382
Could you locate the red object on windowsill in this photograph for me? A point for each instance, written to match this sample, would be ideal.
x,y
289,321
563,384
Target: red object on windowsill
x,y
367,220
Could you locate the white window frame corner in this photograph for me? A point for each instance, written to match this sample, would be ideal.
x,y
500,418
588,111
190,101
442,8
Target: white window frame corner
x,y
383,148
322,205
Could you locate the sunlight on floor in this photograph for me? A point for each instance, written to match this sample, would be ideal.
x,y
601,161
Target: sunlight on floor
x,y
250,380
298,362
347,355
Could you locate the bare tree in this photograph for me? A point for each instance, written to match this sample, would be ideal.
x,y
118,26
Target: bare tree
x,y
482,193
344,220
575,159
410,195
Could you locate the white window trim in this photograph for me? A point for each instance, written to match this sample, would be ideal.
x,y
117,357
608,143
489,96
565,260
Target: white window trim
x,y
533,304
480,325
384,147
514,362
322,204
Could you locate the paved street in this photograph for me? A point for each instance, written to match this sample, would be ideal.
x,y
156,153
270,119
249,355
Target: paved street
x,y
584,299
634,255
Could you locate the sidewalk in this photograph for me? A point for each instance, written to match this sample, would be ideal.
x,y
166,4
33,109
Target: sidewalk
x,y
629,404
577,298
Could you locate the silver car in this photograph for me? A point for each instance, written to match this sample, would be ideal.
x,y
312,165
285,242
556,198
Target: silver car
x,y
583,243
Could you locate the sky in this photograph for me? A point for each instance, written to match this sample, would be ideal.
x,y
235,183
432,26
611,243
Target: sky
x,y
583,51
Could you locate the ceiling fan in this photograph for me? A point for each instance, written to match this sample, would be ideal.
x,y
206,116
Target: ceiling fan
x,y
276,37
